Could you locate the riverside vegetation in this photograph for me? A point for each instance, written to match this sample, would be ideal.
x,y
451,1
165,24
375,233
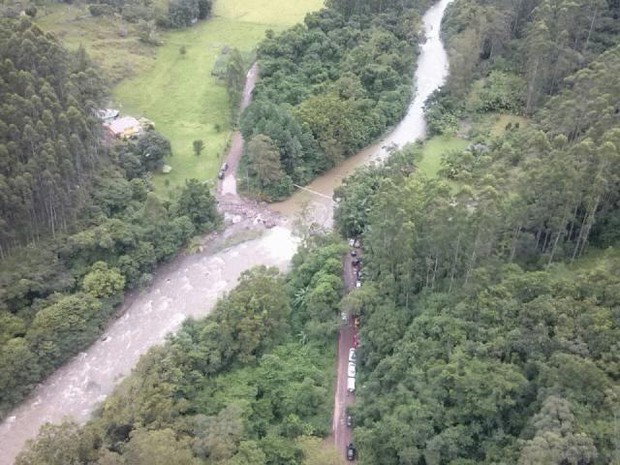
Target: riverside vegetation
x,y
328,87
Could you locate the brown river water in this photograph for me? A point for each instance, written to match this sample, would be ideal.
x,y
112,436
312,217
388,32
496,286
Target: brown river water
x,y
190,285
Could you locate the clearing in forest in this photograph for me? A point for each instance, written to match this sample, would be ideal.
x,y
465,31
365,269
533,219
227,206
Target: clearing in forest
x,y
181,96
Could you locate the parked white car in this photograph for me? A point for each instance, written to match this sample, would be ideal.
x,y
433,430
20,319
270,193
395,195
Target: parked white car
x,y
351,384
352,355
351,370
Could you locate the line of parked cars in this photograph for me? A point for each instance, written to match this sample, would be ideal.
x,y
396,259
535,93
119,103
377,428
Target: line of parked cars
x,y
356,262
351,372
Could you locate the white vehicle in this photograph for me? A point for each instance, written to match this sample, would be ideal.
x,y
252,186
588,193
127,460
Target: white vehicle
x,y
351,370
352,355
351,384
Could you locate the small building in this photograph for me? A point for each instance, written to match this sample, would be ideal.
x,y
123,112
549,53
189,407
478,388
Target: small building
x,y
126,127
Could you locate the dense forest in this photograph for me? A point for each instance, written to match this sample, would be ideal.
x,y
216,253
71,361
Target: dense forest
x,y
250,384
327,88
485,337
79,223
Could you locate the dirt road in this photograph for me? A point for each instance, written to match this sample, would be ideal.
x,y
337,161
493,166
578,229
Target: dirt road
x,y
342,434
228,186
342,399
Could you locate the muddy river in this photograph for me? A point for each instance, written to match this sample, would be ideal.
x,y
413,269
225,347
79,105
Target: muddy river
x,y
191,284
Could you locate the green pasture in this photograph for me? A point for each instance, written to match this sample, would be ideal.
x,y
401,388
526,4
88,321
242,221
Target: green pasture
x,y
273,13
433,150
490,125
109,41
186,103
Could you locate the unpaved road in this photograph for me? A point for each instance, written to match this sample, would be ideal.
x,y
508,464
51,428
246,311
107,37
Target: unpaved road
x,y
342,434
228,186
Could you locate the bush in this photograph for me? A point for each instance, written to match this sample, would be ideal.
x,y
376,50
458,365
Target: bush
x,y
147,32
280,190
31,11
442,113
133,13
501,92
182,13
99,9
204,8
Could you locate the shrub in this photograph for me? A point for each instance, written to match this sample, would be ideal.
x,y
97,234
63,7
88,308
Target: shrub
x,y
99,9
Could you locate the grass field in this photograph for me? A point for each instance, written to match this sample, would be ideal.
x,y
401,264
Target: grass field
x,y
434,148
175,91
110,42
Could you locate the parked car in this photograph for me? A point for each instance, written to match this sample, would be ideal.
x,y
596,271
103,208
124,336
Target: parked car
x,y
353,253
351,370
351,385
352,355
224,167
349,420
350,452
220,175
358,284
